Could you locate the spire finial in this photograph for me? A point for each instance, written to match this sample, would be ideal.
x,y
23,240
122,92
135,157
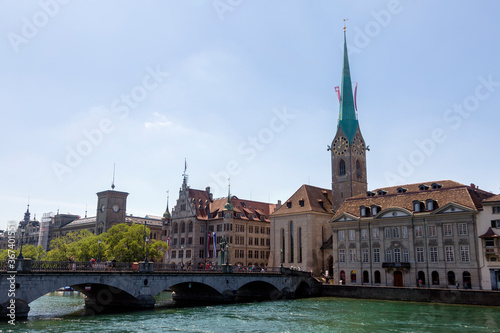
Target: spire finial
x,y
228,205
113,183
344,23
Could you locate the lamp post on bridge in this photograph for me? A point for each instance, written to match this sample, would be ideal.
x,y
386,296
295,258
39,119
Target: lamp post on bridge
x,y
99,250
20,256
146,240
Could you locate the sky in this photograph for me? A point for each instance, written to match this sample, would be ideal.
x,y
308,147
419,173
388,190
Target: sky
x,y
241,90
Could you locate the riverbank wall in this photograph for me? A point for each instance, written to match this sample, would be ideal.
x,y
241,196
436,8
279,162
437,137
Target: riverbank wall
x,y
431,295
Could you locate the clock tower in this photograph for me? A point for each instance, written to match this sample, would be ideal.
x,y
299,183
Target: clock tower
x,y
111,208
348,148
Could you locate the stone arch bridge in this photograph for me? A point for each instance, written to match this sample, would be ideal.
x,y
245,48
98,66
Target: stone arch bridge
x,y
116,289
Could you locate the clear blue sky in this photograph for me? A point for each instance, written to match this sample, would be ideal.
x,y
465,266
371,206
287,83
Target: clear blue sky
x,y
240,88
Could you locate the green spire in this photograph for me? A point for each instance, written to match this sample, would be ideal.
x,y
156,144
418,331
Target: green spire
x,y
228,205
347,114
166,215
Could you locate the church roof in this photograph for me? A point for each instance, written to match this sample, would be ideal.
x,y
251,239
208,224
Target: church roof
x,y
403,196
347,114
307,199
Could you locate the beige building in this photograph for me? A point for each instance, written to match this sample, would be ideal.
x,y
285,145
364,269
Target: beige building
x,y
299,228
489,243
409,235
198,224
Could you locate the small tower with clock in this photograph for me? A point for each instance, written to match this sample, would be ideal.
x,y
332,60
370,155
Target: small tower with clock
x,y
111,209
348,148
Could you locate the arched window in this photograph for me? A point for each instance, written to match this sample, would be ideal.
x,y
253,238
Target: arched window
x,y
466,280
291,241
435,278
353,276
176,228
183,227
341,168
451,278
190,227
300,244
342,277
421,279
358,169
282,246
377,277
366,277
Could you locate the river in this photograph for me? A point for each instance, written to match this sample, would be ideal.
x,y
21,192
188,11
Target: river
x,y
64,312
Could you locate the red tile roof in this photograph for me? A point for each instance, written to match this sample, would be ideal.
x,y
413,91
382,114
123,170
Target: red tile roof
x,y
444,192
315,199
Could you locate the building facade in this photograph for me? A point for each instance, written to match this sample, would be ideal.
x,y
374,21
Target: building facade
x,y
299,228
489,243
198,223
410,235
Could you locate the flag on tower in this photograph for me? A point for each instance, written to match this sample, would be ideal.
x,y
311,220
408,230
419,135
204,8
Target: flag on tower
x,y
355,94
337,89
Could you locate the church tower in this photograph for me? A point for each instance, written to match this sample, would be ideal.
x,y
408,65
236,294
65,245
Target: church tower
x,y
348,147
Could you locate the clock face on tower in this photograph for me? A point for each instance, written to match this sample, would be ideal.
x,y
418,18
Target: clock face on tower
x,y
340,145
358,146
116,208
103,207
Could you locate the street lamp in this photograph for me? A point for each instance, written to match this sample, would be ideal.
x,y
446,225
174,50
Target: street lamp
x,y
20,256
99,251
146,240
282,258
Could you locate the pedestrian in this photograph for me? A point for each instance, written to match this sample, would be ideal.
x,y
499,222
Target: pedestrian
x,y
457,285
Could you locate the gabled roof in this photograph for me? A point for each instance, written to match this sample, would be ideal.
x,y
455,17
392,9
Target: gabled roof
x,y
495,198
314,199
443,192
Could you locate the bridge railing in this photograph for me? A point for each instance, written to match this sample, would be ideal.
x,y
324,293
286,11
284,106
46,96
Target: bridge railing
x,y
62,266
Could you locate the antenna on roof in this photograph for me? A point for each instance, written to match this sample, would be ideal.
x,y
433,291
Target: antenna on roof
x,y
85,210
113,183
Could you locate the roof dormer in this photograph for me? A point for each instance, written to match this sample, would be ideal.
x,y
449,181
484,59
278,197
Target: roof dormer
x,y
423,187
436,186
402,190
381,192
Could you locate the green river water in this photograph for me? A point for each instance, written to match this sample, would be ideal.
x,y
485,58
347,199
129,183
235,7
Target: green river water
x,y
64,312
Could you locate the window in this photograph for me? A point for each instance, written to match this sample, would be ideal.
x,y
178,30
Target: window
x,y
433,252
352,255
250,240
256,230
397,255
432,230
342,168
301,203
358,169
495,210
341,235
262,230
364,254
190,227
495,223
364,234
352,235
395,232
250,254
464,253
419,231
250,229
176,228
420,254
447,231
342,255
404,231
291,240
262,242
183,227
387,233
256,241
201,254
406,256
489,242
202,228
462,229
362,211
183,241
188,253
376,255
450,254
377,277
173,254
219,227
375,233
190,240
388,256
300,244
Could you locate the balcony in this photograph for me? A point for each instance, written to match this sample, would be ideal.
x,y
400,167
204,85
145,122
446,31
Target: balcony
x,y
396,265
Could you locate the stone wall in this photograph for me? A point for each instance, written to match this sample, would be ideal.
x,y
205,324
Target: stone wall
x,y
450,296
